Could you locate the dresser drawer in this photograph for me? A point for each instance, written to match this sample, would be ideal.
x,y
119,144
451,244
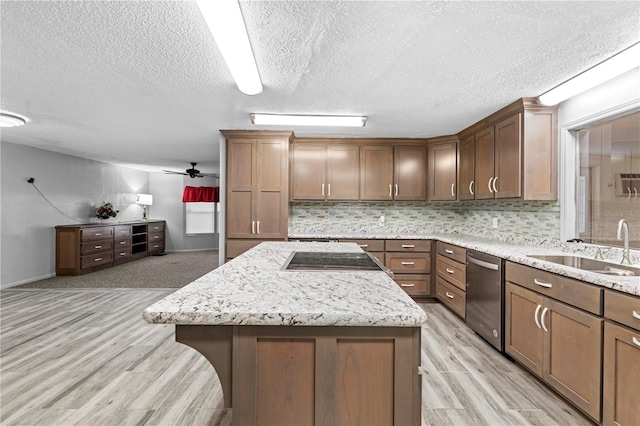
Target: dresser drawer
x,y
573,292
96,246
452,252
98,233
155,227
408,245
622,308
96,259
452,297
408,263
156,247
121,253
121,243
451,271
120,231
155,237
367,245
414,284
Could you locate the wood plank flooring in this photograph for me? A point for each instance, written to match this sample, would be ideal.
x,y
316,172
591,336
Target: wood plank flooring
x,y
86,357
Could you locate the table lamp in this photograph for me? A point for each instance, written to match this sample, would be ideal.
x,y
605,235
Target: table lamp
x,y
144,200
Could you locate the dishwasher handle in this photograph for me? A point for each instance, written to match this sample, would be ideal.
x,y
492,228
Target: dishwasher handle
x,y
482,263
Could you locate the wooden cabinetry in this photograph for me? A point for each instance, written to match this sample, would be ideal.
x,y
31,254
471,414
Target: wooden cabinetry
x,y
451,277
325,172
466,165
85,248
621,368
557,341
393,172
515,152
257,184
375,247
443,170
410,262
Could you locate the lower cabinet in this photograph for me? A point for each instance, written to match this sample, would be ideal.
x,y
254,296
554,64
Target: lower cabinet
x,y
559,343
410,262
451,284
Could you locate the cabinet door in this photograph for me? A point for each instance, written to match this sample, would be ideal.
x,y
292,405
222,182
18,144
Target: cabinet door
x,y
508,158
573,354
410,177
443,171
523,335
241,187
376,172
271,195
308,174
621,376
484,164
343,172
467,157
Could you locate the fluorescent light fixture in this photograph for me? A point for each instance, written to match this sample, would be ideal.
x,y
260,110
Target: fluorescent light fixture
x,y
9,119
604,71
224,19
309,120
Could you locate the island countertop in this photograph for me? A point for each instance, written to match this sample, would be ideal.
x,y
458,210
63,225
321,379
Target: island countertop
x,y
252,290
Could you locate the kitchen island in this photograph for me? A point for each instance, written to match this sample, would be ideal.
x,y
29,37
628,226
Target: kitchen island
x,y
303,347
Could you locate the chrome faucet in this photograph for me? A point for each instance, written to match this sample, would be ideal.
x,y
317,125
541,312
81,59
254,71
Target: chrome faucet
x,y
622,226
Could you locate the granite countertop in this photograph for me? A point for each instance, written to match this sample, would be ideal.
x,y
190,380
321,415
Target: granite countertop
x,y
252,290
512,248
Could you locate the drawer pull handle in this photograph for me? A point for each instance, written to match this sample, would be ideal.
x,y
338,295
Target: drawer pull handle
x,y
542,283
123,254
451,271
544,312
123,242
635,341
408,263
98,247
97,234
97,259
636,315
363,245
448,251
449,295
408,246
535,315
407,285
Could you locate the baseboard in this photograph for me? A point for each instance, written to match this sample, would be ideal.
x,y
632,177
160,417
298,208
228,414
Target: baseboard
x,y
27,281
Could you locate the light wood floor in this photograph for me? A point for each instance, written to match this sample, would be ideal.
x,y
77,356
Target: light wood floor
x,y
86,357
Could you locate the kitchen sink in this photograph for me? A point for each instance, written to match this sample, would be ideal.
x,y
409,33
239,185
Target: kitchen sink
x,y
591,265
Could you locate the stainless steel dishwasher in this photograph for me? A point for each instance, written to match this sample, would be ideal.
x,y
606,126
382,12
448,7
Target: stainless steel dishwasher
x,y
485,297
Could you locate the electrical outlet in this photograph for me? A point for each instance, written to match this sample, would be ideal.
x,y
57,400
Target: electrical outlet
x,y
495,223
381,221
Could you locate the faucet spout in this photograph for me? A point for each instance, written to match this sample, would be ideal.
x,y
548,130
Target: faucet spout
x,y
623,231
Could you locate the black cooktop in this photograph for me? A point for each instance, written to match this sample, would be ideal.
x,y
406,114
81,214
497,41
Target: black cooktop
x,y
330,261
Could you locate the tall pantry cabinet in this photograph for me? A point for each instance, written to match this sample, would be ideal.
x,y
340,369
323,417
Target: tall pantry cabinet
x,y
257,188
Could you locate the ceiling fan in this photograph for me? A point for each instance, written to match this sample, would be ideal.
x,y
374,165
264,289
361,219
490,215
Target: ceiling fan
x,y
192,172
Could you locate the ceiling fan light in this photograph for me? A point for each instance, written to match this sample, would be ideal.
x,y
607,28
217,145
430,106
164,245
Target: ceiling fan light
x,y
309,120
8,119
604,71
224,19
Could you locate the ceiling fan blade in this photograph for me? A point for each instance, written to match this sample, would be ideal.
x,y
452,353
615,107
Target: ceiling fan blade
x,y
171,172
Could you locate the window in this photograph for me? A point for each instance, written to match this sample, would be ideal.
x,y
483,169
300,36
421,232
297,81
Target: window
x,y
201,218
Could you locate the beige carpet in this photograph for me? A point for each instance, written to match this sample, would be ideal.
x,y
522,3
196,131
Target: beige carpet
x,y
173,270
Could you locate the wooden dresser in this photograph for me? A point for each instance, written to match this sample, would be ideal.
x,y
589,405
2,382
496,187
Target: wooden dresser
x,y
85,248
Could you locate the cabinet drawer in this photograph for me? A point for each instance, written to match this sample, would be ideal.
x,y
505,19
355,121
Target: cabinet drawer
x,y
378,255
121,243
622,308
408,263
452,271
452,252
99,233
236,247
120,231
95,247
155,227
367,245
452,297
156,237
97,259
567,290
414,284
121,253
408,245
155,247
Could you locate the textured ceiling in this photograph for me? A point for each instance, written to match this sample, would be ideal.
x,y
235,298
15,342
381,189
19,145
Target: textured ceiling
x,y
142,82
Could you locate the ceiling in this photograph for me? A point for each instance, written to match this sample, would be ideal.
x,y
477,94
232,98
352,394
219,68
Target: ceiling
x,y
141,83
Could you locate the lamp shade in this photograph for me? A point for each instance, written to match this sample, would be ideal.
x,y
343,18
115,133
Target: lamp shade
x,y
144,199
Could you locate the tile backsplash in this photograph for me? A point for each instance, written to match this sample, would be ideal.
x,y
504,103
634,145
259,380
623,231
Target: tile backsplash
x,y
540,219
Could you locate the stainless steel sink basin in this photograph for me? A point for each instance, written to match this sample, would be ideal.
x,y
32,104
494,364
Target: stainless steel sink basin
x,y
591,265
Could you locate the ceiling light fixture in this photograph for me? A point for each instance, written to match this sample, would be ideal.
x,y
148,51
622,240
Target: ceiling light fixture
x,y
8,119
309,120
604,71
224,19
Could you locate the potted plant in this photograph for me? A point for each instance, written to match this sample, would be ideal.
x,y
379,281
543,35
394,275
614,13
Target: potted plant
x,y
105,211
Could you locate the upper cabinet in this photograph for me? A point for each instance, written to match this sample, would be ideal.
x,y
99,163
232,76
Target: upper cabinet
x,y
443,169
513,154
389,172
325,171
